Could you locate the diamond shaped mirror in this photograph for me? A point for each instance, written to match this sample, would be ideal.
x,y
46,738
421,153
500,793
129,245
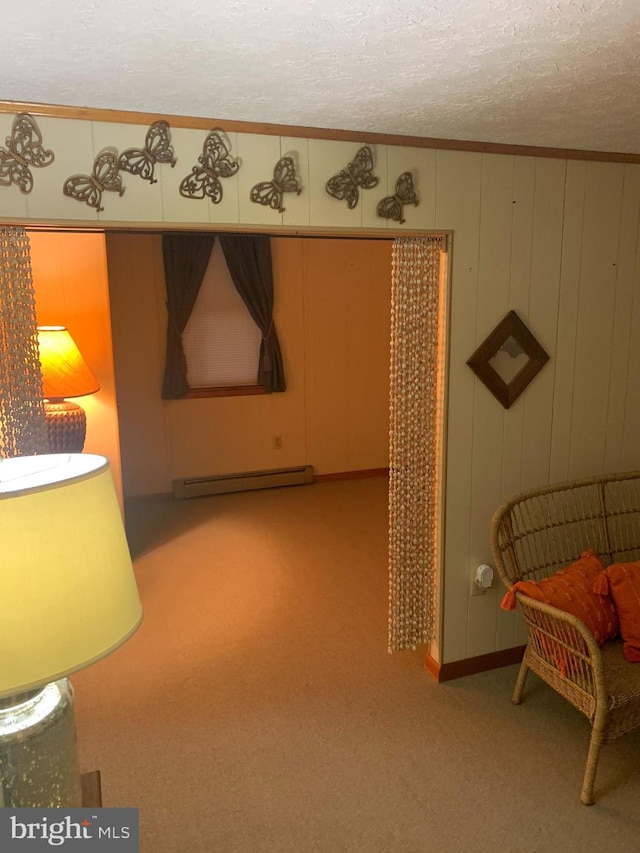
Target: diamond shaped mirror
x,y
508,359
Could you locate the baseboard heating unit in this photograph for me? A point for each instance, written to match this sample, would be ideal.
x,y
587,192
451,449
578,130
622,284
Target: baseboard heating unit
x,y
199,487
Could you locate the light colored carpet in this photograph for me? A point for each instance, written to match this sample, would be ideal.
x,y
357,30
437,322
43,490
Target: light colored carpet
x,y
257,708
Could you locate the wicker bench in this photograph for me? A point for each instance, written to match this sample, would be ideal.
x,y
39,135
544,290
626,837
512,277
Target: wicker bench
x,y
534,535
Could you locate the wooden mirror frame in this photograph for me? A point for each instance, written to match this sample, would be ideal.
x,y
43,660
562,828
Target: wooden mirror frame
x,y
510,326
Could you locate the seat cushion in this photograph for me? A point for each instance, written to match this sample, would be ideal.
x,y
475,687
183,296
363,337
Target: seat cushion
x,y
622,684
570,590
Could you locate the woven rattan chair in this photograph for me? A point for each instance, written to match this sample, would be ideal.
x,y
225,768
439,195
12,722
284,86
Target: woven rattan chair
x,y
532,537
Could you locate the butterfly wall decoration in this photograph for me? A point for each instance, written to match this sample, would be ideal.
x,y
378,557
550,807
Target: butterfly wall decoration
x,y
215,163
24,150
270,193
157,149
392,206
104,176
356,174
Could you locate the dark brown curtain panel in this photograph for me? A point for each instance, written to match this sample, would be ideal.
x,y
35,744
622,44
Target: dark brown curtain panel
x,y
248,258
186,257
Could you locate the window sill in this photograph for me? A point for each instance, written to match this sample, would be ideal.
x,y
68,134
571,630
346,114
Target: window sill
x,y
224,391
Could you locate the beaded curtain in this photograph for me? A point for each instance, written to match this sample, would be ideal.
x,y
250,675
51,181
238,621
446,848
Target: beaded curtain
x,y
413,450
22,416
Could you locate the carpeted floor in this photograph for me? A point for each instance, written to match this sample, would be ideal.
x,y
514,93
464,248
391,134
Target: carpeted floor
x,y
257,710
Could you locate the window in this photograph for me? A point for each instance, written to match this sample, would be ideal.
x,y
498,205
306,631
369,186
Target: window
x,y
244,337
221,341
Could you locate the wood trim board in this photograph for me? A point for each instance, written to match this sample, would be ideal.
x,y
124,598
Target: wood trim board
x,y
228,125
91,789
351,475
224,391
472,666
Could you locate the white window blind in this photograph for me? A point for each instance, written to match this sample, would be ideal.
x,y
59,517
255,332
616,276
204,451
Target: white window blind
x,y
221,341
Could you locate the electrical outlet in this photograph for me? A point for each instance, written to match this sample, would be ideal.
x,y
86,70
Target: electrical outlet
x,y
482,580
277,442
476,589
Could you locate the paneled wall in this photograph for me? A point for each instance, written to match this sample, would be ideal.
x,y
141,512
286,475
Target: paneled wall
x,y
331,311
72,290
77,142
556,240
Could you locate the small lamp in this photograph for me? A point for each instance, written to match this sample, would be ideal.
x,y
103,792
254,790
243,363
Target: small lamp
x,y
65,373
63,608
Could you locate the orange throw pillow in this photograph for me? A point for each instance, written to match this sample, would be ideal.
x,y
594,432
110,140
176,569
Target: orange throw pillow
x,y
570,590
623,584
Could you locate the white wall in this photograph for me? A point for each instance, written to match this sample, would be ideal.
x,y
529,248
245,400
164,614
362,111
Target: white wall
x,y
331,310
555,240
72,289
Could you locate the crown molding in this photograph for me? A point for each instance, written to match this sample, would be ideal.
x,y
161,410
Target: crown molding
x,y
126,117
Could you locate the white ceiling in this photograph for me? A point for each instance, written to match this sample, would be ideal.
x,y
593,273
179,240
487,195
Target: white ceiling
x,y
562,73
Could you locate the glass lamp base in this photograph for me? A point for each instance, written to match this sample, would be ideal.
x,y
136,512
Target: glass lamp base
x,y
38,749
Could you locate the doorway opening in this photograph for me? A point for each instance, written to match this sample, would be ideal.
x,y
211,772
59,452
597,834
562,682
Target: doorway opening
x,y
332,308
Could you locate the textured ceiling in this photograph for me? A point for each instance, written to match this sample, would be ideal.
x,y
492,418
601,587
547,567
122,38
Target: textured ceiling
x,y
562,73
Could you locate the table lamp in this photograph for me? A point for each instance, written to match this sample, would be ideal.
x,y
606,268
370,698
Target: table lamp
x,y
69,598
65,373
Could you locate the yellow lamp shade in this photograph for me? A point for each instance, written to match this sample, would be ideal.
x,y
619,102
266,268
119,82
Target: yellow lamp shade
x,y
65,373
67,586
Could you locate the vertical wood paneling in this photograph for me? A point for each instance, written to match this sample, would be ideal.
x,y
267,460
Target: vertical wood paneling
x,y
369,199
175,208
458,181
258,155
368,355
557,242
326,159
296,208
565,221
231,434
336,358
565,348
188,145
494,267
542,317
288,314
135,323
325,366
511,629
630,459
537,263
72,143
12,201
142,200
72,289
623,312
228,208
421,162
347,296
603,201
519,285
